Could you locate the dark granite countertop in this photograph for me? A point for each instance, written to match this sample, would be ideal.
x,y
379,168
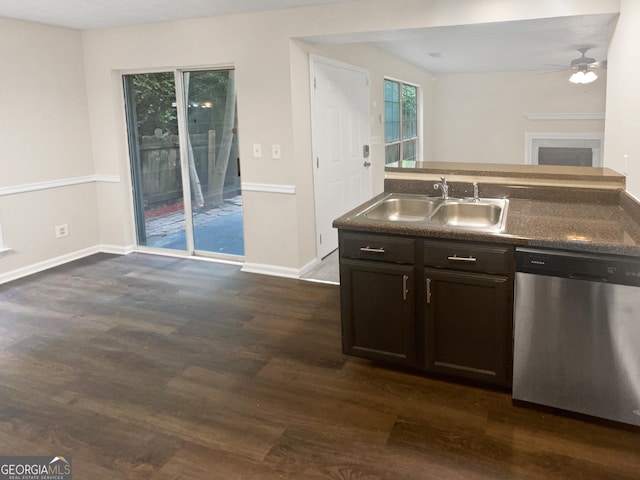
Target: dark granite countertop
x,y
541,172
599,226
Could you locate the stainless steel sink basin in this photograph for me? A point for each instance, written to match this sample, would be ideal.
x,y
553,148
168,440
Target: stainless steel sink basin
x,y
403,208
485,214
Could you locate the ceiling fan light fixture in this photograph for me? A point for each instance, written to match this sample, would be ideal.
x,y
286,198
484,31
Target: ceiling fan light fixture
x,y
581,77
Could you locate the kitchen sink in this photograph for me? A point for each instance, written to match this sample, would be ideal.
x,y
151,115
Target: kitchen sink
x,y
481,214
403,208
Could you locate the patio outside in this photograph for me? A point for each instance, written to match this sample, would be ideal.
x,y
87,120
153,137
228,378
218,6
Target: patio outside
x,y
216,229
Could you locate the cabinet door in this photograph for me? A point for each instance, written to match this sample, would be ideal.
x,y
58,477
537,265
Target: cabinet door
x,y
469,325
378,311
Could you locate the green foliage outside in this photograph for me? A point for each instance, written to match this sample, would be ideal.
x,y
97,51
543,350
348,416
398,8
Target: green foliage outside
x,y
155,101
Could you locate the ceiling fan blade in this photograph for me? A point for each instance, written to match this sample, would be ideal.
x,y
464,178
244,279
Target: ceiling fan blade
x,y
548,72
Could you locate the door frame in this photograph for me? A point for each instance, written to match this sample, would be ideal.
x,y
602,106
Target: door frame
x,y
314,60
184,161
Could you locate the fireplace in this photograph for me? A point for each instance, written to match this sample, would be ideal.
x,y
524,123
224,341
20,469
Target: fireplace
x,y
566,149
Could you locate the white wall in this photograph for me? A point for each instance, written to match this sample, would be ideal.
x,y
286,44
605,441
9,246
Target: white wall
x,y
63,114
272,80
482,117
623,97
45,137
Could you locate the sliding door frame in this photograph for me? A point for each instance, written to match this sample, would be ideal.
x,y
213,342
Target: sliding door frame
x,y
183,132
178,74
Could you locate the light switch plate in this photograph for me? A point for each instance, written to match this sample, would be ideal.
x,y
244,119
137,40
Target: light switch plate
x,y
275,152
257,150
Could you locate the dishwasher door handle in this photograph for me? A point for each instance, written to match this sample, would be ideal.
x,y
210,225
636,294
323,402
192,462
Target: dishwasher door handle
x,y
591,278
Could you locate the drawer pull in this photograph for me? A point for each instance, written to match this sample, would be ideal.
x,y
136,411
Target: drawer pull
x,y
468,259
372,250
428,291
405,290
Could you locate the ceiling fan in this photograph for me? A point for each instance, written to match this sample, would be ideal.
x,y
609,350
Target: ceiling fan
x,y
583,67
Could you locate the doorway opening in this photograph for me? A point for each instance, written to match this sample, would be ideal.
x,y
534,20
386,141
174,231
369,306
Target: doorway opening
x,y
185,167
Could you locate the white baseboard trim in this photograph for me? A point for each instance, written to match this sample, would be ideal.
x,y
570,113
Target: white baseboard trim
x,y
116,249
259,268
61,260
47,264
309,266
273,270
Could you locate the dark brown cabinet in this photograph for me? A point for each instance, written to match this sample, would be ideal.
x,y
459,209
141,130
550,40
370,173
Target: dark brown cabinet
x,y
378,298
468,310
467,325
438,305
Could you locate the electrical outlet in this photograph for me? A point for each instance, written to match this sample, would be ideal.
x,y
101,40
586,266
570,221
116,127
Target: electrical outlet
x,y
257,150
275,152
62,230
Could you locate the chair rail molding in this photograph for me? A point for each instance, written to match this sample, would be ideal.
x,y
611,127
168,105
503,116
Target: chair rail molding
x,y
565,116
269,188
63,182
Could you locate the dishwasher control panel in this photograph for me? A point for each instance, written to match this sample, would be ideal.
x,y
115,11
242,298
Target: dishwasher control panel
x,y
618,269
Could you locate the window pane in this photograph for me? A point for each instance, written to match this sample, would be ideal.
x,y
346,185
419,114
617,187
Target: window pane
x,y
154,154
409,111
392,153
409,150
214,161
391,91
392,111
401,122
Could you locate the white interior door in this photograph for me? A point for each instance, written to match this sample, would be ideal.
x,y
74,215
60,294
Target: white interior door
x,y
341,130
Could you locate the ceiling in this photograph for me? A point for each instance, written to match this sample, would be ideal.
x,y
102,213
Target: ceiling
x,y
89,14
540,44
506,46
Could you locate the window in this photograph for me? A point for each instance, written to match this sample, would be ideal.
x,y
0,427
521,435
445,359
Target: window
x,y
400,122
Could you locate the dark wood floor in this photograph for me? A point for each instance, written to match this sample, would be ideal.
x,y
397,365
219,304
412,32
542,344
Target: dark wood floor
x,y
148,367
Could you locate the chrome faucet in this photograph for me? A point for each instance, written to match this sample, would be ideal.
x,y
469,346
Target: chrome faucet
x,y
476,193
443,185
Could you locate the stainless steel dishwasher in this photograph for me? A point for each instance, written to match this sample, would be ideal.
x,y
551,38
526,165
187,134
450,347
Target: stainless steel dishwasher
x,y
577,333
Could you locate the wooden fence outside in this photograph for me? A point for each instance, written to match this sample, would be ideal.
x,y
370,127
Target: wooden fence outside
x,y
160,167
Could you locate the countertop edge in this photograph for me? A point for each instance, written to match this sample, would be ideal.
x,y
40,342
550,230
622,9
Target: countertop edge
x,y
348,222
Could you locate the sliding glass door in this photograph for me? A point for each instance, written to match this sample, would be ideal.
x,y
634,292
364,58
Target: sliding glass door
x,y
184,161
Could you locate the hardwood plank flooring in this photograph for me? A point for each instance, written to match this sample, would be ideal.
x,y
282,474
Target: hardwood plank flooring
x,y
157,368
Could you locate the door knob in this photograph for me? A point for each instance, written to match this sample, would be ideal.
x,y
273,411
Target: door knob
x,y
367,164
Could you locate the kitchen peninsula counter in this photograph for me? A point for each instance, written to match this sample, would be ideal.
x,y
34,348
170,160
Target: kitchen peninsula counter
x,y
598,221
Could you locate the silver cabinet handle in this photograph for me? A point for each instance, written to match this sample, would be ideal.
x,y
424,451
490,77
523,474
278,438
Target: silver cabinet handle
x,y
428,291
405,290
468,259
372,249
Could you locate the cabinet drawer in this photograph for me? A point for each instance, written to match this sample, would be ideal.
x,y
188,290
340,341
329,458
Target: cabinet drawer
x,y
383,248
470,257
